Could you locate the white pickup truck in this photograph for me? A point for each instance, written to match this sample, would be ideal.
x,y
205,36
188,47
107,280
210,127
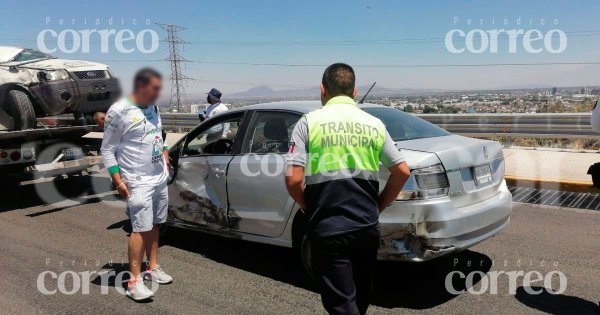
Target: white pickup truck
x,y
34,84
37,139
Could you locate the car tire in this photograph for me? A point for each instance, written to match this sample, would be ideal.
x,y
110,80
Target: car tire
x,y
301,244
20,108
305,256
163,231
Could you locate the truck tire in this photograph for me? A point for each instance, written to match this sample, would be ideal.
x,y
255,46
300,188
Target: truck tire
x,y
21,110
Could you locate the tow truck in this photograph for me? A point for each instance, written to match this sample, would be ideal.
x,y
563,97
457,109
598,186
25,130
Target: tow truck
x,y
47,106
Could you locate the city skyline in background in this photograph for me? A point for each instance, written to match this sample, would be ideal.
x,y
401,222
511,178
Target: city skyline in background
x,y
236,45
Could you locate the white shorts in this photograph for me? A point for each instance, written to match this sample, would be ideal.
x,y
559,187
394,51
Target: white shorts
x,y
147,205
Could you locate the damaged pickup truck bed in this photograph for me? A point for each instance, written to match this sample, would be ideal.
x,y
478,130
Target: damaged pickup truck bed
x,y
34,84
455,197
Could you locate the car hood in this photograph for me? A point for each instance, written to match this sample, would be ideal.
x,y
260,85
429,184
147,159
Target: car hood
x,y
56,64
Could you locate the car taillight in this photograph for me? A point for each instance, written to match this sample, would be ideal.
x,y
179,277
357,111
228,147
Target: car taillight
x,y
424,183
3,155
15,155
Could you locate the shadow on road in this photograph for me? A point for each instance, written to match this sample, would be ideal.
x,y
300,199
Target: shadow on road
x,y
397,284
125,225
81,189
423,285
555,303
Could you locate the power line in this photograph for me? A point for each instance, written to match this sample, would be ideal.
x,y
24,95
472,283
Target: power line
x,y
255,83
397,41
403,41
176,60
514,64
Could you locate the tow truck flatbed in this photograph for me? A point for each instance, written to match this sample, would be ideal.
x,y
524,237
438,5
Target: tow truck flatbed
x,y
56,147
45,133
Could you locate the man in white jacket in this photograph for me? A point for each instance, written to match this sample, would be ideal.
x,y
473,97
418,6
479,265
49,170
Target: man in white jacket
x,y
137,160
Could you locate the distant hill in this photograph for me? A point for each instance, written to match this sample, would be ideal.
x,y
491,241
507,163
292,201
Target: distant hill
x,y
267,92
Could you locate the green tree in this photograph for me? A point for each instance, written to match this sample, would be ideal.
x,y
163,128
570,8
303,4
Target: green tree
x,y
429,110
450,110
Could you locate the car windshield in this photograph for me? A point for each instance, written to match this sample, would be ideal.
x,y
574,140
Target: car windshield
x,y
403,126
31,54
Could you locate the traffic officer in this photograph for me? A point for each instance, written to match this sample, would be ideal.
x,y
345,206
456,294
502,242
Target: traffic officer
x,y
336,151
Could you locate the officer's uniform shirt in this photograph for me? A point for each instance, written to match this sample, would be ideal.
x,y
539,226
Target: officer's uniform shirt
x,y
342,202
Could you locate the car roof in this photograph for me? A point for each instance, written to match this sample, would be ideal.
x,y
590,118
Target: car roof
x,y
8,52
296,106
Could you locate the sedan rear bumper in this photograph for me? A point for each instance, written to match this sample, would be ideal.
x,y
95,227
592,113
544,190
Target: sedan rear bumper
x,y
423,230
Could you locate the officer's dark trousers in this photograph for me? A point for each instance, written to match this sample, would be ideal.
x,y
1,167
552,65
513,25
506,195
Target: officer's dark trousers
x,y
344,267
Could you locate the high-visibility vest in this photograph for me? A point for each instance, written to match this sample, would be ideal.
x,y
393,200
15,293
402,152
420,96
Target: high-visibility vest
x,y
341,136
344,148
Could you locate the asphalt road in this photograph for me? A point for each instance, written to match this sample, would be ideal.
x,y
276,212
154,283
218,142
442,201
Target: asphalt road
x,y
221,276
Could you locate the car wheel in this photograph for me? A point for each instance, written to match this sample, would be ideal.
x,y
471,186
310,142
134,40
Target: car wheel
x,y
301,243
305,256
21,110
163,231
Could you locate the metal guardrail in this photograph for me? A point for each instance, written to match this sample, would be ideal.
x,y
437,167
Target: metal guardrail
x,y
548,126
179,122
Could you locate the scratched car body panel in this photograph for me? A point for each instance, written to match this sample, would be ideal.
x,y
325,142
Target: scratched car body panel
x,y
455,198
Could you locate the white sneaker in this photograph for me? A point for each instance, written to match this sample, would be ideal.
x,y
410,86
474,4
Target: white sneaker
x,y
157,275
138,291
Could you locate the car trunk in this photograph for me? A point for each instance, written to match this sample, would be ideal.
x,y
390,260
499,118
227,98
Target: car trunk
x,y
468,163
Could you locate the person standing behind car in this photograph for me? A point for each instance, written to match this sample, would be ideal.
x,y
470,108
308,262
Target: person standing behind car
x,y
137,160
336,151
214,108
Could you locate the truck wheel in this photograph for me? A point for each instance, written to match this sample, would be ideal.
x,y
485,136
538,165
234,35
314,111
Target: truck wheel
x,y
71,187
21,110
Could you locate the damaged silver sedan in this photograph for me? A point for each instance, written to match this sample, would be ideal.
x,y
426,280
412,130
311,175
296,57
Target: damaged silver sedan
x,y
228,179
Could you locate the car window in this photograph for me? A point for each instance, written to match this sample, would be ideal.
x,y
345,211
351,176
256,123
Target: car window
x,y
31,54
270,132
403,126
218,138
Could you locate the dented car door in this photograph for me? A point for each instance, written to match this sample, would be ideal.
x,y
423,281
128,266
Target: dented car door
x,y
198,192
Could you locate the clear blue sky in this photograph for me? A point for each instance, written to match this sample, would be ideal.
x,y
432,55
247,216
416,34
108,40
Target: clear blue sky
x,y
210,23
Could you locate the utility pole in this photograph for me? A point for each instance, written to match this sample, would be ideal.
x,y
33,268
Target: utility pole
x,y
176,60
